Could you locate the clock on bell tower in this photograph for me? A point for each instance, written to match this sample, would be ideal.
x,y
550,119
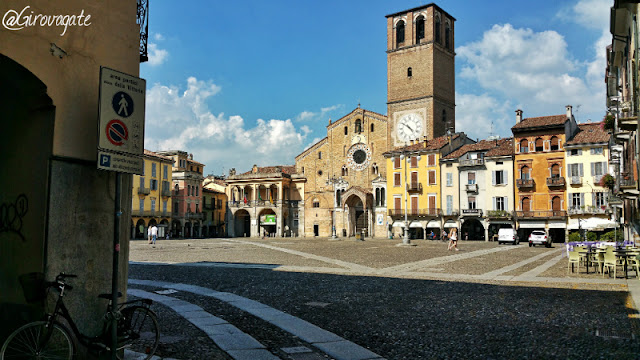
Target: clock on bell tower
x,y
420,74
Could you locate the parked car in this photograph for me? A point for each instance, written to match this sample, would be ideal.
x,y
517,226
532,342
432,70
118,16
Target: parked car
x,y
508,236
539,237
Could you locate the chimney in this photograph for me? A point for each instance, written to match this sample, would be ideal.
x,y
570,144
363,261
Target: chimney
x,y
518,116
254,169
569,112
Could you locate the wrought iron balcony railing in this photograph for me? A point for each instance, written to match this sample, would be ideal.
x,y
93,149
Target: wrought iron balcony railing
x,y
498,214
471,162
166,192
525,183
542,214
144,190
555,181
472,187
414,187
576,180
431,212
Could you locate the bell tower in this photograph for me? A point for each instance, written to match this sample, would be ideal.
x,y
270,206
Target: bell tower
x,y
420,74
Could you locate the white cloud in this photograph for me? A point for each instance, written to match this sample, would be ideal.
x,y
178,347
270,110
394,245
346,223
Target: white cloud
x,y
480,116
592,14
157,56
158,37
531,68
320,115
182,120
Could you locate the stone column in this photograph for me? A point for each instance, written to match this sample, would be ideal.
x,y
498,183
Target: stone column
x,y
486,233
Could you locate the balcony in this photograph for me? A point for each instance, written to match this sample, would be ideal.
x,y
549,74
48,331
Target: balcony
x,y
542,214
627,181
166,192
556,181
471,162
414,187
498,214
583,210
194,216
432,212
576,180
149,213
525,183
262,203
472,188
144,190
628,123
471,212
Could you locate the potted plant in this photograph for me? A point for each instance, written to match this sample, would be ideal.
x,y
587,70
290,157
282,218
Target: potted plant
x,y
608,181
608,123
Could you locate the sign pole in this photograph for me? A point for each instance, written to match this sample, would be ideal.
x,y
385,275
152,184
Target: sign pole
x,y
114,278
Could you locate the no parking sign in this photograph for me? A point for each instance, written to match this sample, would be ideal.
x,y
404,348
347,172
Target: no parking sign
x,y
121,120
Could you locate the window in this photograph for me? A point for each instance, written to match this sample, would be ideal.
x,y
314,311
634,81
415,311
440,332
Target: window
x,y
419,28
396,179
499,163
374,169
320,155
397,202
141,182
141,205
472,202
383,201
575,152
153,204
596,151
431,160
577,200
175,207
165,172
499,177
153,183
409,72
447,35
303,169
197,208
345,170
526,204
449,204
371,127
524,146
197,190
599,199
500,203
555,171
414,161
316,203
598,170
358,126
164,206
556,203
378,197
575,170
449,179
414,178
471,178
444,116
176,189
539,144
320,172
153,169
525,173
555,143
437,28
432,177
399,33
396,162
346,130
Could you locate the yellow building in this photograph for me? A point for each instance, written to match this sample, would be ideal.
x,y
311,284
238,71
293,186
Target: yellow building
x,y
214,206
413,184
151,196
540,193
587,157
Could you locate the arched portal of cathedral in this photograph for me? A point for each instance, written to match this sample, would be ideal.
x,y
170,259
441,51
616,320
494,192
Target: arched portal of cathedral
x,y
358,209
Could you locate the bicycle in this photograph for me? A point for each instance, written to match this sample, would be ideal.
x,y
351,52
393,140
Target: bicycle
x,y
50,339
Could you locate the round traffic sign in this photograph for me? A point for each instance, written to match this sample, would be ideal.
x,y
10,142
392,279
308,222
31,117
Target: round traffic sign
x,y
122,104
117,132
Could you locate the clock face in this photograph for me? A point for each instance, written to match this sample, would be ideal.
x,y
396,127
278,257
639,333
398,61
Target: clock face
x,y
359,156
409,127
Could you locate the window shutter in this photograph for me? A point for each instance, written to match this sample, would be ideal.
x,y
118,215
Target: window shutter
x,y
495,207
593,169
582,199
593,199
546,145
581,170
505,176
532,146
493,181
506,203
562,204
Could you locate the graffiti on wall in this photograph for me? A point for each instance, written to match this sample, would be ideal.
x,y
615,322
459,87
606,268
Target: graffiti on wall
x,y
11,215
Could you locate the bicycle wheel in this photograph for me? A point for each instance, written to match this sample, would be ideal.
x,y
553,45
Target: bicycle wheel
x,y
25,343
138,331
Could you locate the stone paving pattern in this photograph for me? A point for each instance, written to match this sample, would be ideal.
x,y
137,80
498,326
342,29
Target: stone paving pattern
x,y
394,306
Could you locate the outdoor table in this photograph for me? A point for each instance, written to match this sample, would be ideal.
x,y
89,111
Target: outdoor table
x,y
588,252
625,254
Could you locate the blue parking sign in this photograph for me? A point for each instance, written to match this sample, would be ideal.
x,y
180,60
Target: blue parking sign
x,y
105,160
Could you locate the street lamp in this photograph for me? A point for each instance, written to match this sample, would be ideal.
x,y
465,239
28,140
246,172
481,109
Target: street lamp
x,y
403,155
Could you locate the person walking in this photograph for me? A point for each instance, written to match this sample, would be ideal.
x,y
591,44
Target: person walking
x,y
453,239
149,235
154,234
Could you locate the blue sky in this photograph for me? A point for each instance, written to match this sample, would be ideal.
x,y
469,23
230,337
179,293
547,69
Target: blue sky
x,y
247,82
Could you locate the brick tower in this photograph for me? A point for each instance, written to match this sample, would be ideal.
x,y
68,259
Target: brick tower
x,y
420,74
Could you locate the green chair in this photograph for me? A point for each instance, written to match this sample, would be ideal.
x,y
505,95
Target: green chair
x,y
597,259
574,258
610,261
634,263
583,256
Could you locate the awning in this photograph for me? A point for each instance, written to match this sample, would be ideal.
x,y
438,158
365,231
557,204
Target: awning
x,y
416,224
557,225
500,222
433,224
450,224
592,223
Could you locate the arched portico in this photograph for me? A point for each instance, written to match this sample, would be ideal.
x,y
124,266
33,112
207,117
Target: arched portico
x,y
242,223
357,204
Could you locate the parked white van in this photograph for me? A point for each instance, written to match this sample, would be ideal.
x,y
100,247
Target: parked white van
x,y
508,236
